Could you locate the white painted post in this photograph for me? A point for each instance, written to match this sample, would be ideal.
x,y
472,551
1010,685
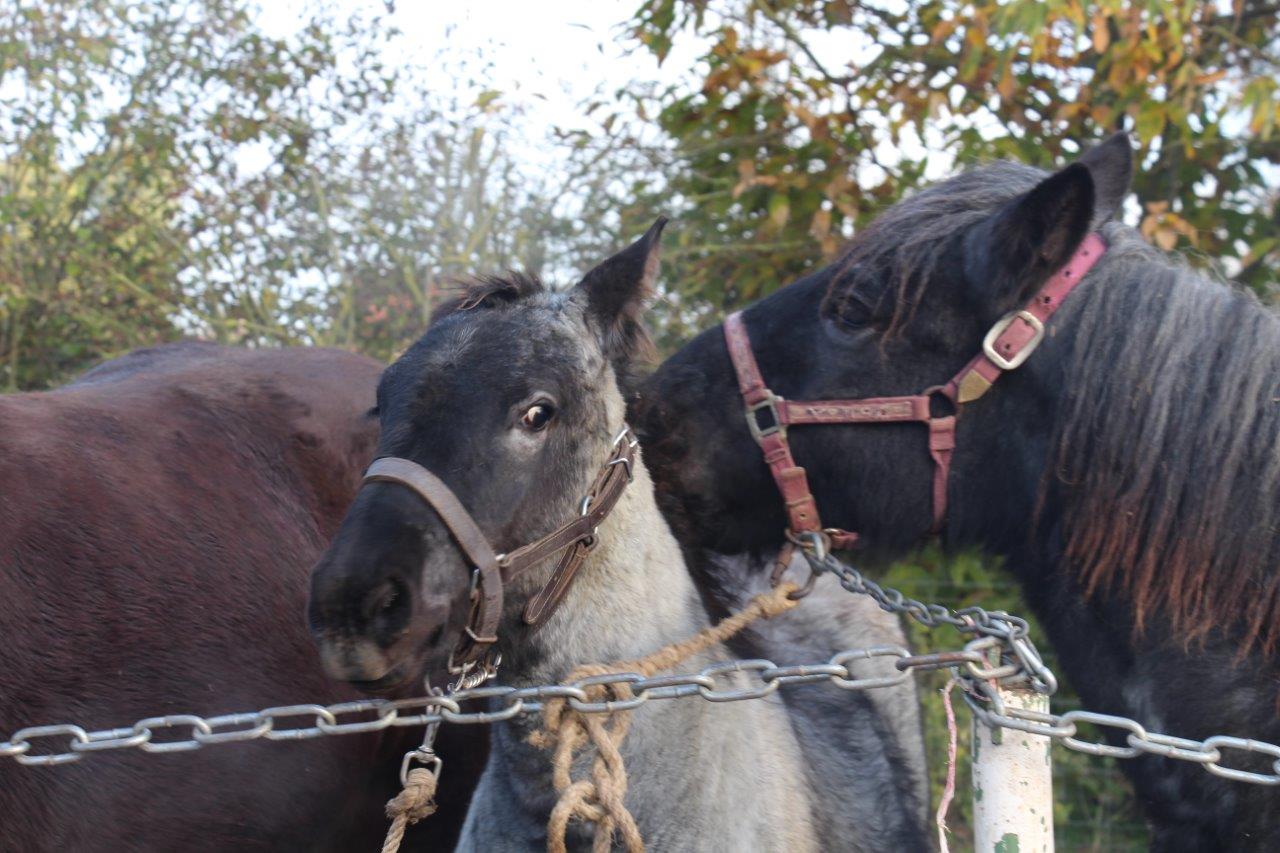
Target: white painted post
x,y
1012,784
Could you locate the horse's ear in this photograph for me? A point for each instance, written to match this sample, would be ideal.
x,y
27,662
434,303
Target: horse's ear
x,y
1031,237
617,290
1111,166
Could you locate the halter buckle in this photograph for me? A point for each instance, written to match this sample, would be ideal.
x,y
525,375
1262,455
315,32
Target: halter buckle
x,y
625,435
989,342
770,402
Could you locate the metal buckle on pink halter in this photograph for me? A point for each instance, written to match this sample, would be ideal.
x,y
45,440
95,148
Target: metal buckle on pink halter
x,y
1008,344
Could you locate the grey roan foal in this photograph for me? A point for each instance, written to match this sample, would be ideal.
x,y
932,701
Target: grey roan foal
x,y
512,397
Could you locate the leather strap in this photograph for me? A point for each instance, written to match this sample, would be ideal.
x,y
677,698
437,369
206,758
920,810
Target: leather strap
x,y
1023,330
1009,343
486,607
791,479
602,497
494,571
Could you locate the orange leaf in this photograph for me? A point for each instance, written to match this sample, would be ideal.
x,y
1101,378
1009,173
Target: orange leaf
x,y
1101,33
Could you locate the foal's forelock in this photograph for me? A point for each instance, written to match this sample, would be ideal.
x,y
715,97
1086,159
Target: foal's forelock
x,y
1167,454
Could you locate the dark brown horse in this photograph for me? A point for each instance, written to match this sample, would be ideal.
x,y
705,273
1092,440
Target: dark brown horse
x,y
158,519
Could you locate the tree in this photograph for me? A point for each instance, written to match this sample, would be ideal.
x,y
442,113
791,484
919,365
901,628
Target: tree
x,y
804,118
125,203
169,169
391,222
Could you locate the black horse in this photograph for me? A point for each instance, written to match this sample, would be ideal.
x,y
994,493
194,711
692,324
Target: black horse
x,y
1128,473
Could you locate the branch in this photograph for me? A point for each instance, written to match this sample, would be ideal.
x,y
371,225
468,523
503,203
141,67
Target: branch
x,y
794,37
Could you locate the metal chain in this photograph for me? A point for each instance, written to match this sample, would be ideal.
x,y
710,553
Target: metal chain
x,y
1062,728
998,633
1026,667
371,715
1020,662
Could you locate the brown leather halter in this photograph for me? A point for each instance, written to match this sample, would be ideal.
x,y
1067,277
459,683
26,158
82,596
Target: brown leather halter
x,y
492,570
1007,345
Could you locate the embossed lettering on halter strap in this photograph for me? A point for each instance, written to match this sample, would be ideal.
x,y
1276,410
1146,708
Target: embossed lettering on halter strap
x,y
576,538
1007,345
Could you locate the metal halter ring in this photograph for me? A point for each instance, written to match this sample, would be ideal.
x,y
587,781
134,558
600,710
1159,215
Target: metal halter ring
x,y
1011,363
753,424
815,545
622,436
623,461
582,511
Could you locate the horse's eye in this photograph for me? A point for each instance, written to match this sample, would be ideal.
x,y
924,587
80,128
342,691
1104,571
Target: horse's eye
x,y
537,416
854,312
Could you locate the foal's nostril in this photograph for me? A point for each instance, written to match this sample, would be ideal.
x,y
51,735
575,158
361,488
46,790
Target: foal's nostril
x,y
388,604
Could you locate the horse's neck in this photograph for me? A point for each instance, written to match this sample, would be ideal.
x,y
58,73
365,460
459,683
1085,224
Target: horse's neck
x,y
632,596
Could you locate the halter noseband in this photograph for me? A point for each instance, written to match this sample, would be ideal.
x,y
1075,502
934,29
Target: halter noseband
x,y
492,571
1006,346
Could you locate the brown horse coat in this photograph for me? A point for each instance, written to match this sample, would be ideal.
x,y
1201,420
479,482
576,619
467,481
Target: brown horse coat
x,y
158,519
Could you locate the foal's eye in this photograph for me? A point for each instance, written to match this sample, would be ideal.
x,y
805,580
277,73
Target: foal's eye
x,y
537,416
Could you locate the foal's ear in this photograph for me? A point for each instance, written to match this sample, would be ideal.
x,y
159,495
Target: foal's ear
x,y
617,290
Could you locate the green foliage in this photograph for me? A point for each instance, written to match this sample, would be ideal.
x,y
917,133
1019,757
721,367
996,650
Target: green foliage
x,y
123,132
776,151
169,169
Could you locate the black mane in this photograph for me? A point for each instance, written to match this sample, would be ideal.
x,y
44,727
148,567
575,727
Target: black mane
x,y
908,241
1167,454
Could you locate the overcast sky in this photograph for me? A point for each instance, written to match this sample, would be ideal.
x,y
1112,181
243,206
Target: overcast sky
x,y
549,55
552,55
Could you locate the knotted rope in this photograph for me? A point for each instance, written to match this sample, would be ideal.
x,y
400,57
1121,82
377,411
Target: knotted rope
x,y
599,798
415,802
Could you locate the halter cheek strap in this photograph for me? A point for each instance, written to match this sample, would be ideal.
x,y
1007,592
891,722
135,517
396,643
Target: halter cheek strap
x,y
1006,346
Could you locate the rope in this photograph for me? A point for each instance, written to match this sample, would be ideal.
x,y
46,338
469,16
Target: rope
x,y
409,806
949,790
599,798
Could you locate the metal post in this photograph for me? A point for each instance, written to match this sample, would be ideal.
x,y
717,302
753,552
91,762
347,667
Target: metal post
x,y
1012,784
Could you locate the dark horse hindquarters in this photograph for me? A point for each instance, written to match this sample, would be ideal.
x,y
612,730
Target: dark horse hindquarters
x,y
1152,389
158,519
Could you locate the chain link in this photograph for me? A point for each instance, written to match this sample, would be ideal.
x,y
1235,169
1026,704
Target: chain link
x,y
1006,638
988,708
